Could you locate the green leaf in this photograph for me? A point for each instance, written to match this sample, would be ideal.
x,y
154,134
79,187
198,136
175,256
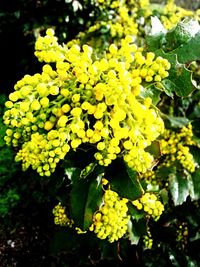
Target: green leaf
x,y
195,113
196,184
195,151
182,40
156,38
73,173
85,198
154,149
191,262
164,196
180,187
182,33
181,45
179,79
78,199
186,39
163,171
173,258
189,51
94,200
124,180
133,235
168,87
177,122
136,229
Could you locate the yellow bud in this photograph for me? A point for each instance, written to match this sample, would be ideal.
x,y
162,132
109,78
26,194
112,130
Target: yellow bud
x,y
113,49
48,125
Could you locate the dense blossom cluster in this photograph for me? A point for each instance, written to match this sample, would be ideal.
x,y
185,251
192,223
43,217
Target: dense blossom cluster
x,y
60,216
122,19
111,220
172,14
131,17
176,147
124,22
84,99
150,204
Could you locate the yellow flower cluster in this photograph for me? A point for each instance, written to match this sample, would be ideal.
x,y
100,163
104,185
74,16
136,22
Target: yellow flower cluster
x,y
148,240
105,4
85,100
123,20
172,14
48,49
60,217
43,152
150,204
124,23
120,24
115,4
111,220
176,147
150,177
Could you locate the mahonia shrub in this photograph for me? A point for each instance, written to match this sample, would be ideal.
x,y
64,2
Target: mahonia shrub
x,y
119,118
84,100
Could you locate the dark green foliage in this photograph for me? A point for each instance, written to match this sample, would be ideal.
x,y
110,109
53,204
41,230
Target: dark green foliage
x,y
8,200
86,197
124,180
179,47
9,196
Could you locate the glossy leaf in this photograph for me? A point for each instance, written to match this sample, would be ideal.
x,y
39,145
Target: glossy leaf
x,y
156,37
85,198
177,122
73,173
182,40
94,200
154,149
134,237
180,187
136,229
164,196
179,46
181,34
190,51
195,150
196,184
124,180
179,80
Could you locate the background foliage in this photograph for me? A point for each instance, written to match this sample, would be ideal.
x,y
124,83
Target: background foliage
x,y
28,234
